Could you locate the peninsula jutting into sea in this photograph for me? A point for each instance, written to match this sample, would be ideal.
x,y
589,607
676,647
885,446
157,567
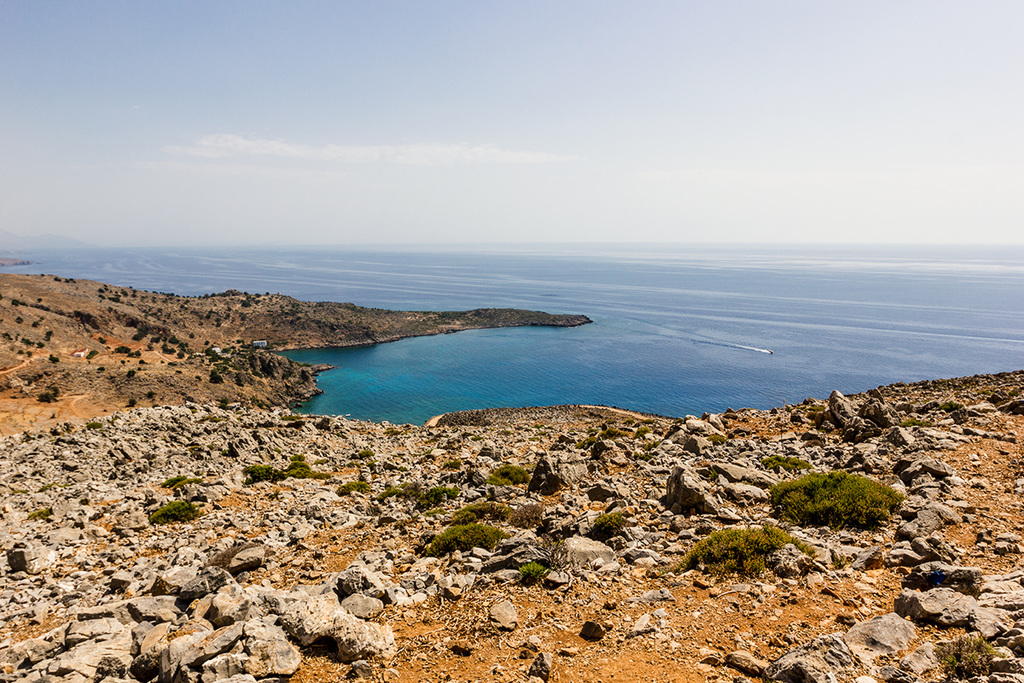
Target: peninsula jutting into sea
x,y
78,348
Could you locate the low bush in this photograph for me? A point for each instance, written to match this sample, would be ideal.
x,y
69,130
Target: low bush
x,y
465,537
94,425
790,464
257,473
739,551
353,487
950,406
609,524
527,516
175,511
966,657
532,572
452,465
586,442
508,475
41,514
488,509
435,496
915,422
297,468
836,499
175,482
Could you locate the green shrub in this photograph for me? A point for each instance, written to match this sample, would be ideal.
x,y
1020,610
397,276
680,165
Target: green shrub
x,y
465,537
641,432
966,657
452,465
435,496
508,475
41,514
586,443
353,487
175,511
532,572
389,492
609,524
717,438
256,473
611,433
175,482
950,406
364,454
836,499
488,509
739,551
299,469
790,464
915,422
94,425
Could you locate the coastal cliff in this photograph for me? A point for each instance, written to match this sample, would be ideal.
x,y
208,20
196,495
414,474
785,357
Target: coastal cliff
x,y
75,349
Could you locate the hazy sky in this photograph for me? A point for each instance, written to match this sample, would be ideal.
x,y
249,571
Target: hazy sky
x,y
174,123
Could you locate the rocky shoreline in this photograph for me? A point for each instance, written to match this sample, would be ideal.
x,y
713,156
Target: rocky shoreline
x,y
316,555
77,349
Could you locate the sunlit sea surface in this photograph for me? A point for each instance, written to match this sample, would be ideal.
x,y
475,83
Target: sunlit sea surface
x,y
677,329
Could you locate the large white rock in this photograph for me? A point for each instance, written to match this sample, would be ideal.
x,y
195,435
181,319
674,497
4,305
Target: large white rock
x,y
308,619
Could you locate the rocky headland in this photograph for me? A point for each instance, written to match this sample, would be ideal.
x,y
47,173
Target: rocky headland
x,y
71,350
576,543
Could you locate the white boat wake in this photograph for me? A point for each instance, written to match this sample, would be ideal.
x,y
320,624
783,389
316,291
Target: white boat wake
x,y
732,346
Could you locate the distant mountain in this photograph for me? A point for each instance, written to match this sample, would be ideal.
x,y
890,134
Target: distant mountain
x,y
10,242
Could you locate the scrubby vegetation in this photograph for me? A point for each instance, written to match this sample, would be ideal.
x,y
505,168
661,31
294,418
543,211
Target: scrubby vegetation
x,y
489,509
435,496
532,572
353,487
41,514
424,499
527,516
297,468
175,511
609,524
175,482
966,657
508,475
836,499
790,464
739,551
464,537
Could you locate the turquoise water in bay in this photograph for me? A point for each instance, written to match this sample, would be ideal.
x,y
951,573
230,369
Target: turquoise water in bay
x,y
677,329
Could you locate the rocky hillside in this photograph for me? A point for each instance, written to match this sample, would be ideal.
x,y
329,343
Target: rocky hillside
x,y
79,349
576,543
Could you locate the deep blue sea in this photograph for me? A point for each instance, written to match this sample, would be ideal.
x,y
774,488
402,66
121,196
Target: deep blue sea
x,y
677,329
